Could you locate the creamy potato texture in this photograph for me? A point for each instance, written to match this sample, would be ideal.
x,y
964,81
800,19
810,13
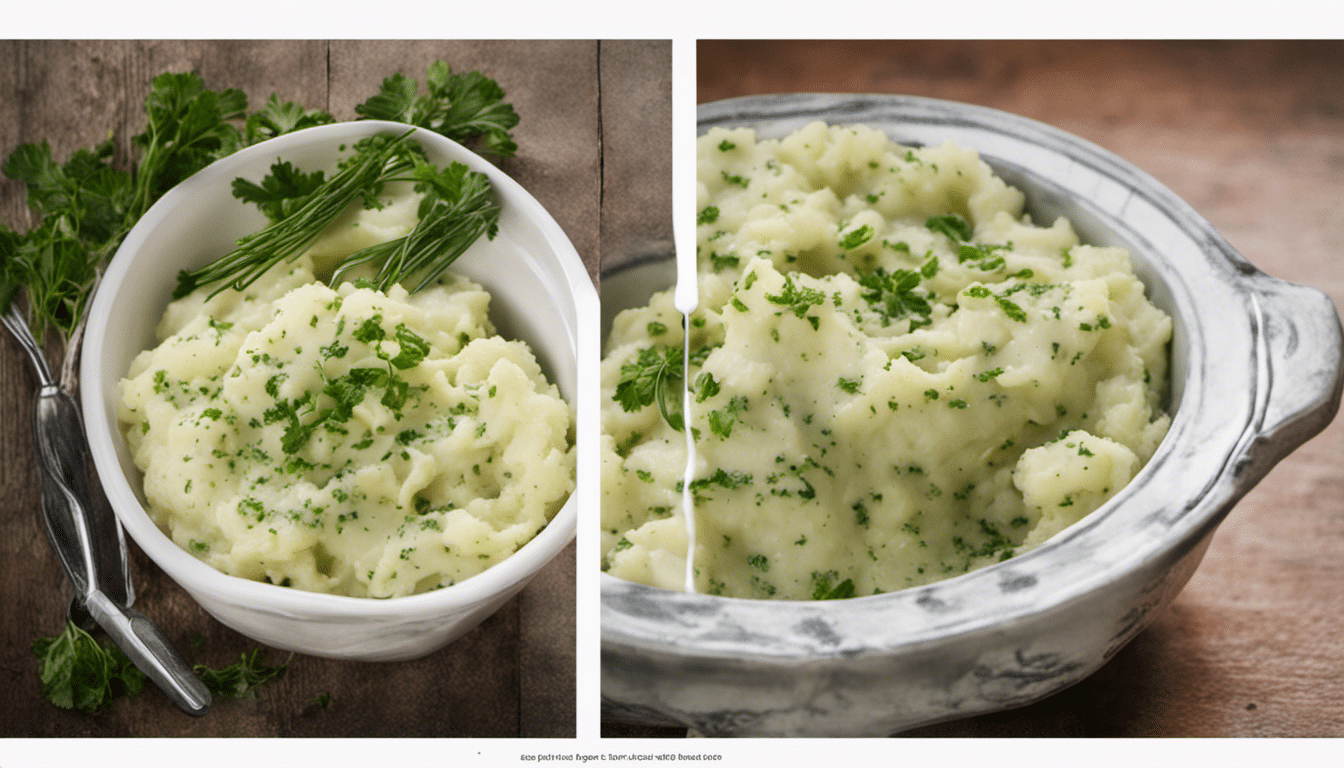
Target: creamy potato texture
x,y
343,440
896,376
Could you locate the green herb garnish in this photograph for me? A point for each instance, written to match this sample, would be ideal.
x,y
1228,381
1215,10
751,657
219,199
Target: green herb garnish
x,y
955,227
87,205
822,589
721,421
79,672
467,108
856,237
797,299
240,680
650,377
894,296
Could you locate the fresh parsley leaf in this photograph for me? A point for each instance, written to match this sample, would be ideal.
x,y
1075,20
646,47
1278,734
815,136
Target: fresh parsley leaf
x,y
723,261
240,680
370,330
797,299
856,237
981,256
930,267
705,387
721,421
413,348
1011,309
822,590
894,295
277,118
467,108
952,225
281,192
650,377
79,672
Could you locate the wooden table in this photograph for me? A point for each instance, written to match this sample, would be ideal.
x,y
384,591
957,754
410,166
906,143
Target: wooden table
x,y
1252,135
587,110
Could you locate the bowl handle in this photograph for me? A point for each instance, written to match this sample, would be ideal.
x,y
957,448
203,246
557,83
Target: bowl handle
x,y
1300,347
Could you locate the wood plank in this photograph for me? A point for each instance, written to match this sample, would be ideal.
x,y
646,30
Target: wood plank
x,y
637,161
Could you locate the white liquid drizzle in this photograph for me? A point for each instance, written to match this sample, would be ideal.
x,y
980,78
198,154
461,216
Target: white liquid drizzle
x,y
687,503
686,295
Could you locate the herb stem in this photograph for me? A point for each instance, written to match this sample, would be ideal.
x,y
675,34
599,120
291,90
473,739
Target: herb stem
x,y
287,238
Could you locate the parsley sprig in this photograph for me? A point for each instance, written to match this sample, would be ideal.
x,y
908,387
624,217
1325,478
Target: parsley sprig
x,y
377,160
458,208
79,671
653,375
896,295
88,204
797,299
240,680
467,108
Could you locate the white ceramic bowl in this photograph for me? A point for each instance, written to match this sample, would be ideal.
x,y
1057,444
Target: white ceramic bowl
x,y
541,294
1256,371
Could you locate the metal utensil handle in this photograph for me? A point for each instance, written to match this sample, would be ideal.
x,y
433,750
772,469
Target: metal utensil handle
x,y
90,541
18,327
151,653
88,538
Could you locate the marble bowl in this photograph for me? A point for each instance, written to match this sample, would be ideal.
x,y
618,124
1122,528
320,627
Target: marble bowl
x,y
1256,371
541,293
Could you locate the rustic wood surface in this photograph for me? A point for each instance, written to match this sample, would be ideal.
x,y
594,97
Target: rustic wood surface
x,y
513,675
1251,134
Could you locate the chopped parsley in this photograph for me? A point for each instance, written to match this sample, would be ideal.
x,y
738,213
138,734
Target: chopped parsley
x,y
895,295
953,226
797,300
856,237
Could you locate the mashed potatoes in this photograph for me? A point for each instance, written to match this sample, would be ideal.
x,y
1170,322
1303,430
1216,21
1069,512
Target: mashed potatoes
x,y
346,441
896,377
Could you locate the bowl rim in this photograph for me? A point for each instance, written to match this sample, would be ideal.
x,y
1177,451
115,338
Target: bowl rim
x,y
199,578
653,621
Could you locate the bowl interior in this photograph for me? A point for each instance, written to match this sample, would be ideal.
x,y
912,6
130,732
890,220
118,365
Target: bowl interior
x,y
536,279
